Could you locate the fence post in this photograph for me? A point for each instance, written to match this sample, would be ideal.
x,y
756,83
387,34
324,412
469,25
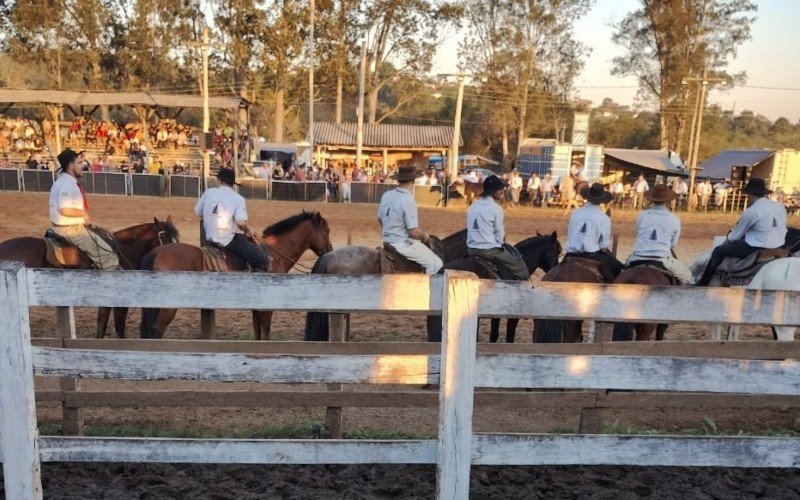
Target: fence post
x,y
208,323
19,442
456,385
71,418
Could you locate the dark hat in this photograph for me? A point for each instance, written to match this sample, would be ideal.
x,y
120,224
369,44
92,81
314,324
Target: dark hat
x,y
66,157
596,194
405,173
660,194
227,175
492,184
757,187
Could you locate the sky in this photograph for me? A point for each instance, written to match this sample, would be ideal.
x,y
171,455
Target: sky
x,y
771,60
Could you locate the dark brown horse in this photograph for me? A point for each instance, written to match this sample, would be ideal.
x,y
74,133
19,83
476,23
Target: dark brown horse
x,y
131,244
286,240
641,275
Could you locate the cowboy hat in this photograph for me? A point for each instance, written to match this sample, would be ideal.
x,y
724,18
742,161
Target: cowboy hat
x,y
405,173
757,187
227,175
596,194
66,157
492,184
660,194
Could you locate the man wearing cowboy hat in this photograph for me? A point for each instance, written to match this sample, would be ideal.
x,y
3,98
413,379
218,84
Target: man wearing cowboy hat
x,y
657,233
69,213
761,226
589,231
223,211
399,218
486,229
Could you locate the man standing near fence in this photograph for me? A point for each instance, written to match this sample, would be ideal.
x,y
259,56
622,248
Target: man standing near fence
x,y
486,233
639,188
223,211
69,213
398,216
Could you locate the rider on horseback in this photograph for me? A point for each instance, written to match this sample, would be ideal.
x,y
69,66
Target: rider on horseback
x,y
222,211
761,226
486,229
589,231
69,213
657,233
399,218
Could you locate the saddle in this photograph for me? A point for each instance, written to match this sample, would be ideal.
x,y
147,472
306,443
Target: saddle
x,y
61,254
734,271
658,266
498,269
392,261
596,267
215,259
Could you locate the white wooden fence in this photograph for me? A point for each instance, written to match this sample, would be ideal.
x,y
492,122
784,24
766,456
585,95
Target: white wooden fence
x,y
460,298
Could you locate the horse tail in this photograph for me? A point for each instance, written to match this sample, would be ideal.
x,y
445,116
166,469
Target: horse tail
x,y
623,332
548,331
147,326
317,326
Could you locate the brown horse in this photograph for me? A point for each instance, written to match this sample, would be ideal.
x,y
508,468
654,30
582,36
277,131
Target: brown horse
x,y
641,275
286,240
550,330
131,244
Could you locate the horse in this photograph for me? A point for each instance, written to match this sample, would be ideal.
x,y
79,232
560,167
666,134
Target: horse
x,y
641,275
470,191
286,240
540,251
363,260
131,245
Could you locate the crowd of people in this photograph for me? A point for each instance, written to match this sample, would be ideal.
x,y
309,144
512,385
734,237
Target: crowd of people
x,y
20,135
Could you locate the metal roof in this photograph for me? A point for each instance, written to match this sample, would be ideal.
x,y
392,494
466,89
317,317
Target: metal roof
x,y
720,166
72,98
653,159
380,135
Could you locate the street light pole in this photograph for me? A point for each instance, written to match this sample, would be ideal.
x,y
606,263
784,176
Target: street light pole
x,y
311,86
360,123
457,130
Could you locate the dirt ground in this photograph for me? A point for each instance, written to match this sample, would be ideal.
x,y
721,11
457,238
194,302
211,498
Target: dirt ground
x,y
23,214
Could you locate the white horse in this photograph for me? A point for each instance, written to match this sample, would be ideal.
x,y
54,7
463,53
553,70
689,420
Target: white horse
x,y
780,274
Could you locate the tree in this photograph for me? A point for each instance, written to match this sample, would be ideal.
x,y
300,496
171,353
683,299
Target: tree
x,y
669,40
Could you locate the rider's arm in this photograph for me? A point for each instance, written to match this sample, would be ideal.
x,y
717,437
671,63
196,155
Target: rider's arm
x,y
746,221
73,212
418,234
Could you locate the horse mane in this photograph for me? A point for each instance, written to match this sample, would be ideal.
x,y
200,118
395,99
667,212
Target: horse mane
x,y
461,234
290,223
135,232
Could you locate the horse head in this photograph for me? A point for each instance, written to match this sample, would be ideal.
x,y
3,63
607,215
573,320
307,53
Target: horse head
x,y
321,238
541,251
166,231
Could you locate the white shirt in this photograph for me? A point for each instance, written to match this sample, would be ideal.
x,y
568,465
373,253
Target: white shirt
x,y
680,187
65,193
641,185
399,214
657,232
485,226
220,208
589,230
762,225
534,183
516,182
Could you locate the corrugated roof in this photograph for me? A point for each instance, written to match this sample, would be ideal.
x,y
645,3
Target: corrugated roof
x,y
382,135
71,98
653,159
720,166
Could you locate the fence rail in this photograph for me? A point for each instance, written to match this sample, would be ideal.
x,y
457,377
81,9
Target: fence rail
x,y
459,297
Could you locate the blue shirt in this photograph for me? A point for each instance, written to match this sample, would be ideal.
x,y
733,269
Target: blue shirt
x,y
762,225
657,232
398,213
485,225
589,230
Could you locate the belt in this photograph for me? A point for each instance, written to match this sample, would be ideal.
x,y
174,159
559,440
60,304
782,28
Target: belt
x,y
67,225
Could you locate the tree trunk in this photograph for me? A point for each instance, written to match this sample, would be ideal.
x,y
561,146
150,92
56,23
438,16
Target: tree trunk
x,y
505,141
339,85
680,135
664,127
373,104
277,133
523,114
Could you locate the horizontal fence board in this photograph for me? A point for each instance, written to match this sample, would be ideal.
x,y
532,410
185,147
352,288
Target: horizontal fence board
x,y
748,349
234,451
672,451
377,369
638,373
487,449
692,400
633,302
410,293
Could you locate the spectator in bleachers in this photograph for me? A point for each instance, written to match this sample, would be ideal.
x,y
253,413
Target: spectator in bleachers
x,y
4,163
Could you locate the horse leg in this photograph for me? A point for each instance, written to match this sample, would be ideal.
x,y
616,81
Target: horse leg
x,y
511,330
645,331
494,334
733,332
155,322
623,332
120,318
661,330
338,327
266,324
573,332
256,325
716,331
102,321
783,333
434,325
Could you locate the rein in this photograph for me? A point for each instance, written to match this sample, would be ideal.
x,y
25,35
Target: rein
x,y
296,266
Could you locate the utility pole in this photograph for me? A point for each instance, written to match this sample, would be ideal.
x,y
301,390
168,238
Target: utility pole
x,y
360,123
457,129
204,45
701,106
311,86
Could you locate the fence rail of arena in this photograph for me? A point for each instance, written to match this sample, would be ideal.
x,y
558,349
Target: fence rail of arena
x,y
10,179
458,369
